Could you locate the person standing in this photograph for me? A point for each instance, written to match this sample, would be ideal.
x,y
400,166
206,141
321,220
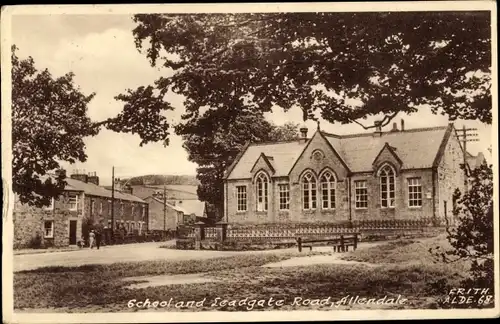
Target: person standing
x,y
91,239
98,238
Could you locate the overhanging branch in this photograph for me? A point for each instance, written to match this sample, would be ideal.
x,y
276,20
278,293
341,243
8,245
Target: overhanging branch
x,y
384,122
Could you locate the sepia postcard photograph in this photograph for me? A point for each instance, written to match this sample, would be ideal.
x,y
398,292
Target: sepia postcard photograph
x,y
249,162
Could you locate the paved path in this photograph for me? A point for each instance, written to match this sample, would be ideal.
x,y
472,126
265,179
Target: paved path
x,y
130,253
109,254
120,253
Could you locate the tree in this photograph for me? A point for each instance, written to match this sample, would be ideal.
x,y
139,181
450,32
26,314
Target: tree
x,y
213,141
346,66
49,122
473,237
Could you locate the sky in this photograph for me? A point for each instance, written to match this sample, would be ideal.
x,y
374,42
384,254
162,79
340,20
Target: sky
x,y
100,51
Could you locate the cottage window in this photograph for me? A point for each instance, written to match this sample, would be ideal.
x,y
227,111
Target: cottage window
x,y
143,211
262,192
414,192
73,202
387,187
100,207
48,229
92,207
241,193
133,208
51,206
361,193
309,191
284,190
328,184
132,226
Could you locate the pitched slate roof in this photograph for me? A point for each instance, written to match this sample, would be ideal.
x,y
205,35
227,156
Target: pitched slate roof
x,y
95,190
417,148
283,154
176,208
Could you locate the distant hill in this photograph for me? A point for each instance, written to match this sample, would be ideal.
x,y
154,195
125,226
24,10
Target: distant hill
x,y
161,179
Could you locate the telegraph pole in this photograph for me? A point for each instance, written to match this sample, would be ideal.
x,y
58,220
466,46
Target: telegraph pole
x,y
464,136
164,210
112,203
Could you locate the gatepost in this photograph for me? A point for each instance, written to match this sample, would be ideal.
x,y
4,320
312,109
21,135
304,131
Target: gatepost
x,y
221,228
199,234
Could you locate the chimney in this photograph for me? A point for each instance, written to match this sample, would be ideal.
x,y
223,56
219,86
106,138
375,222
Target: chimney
x,y
303,134
93,178
394,127
402,124
80,176
378,128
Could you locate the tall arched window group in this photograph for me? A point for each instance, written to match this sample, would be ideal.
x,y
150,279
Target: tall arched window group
x,y
328,184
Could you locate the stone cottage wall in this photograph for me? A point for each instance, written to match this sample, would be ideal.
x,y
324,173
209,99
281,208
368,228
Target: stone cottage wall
x,y
29,223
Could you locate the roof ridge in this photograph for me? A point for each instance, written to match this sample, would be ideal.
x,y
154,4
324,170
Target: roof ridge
x,y
411,130
274,142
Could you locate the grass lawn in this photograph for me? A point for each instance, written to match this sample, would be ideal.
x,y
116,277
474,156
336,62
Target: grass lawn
x,y
401,268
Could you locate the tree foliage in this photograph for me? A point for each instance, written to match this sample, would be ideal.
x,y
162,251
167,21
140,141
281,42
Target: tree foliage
x,y
473,237
346,66
49,122
213,144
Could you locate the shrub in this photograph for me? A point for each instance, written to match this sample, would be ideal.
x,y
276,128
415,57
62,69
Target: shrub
x,y
36,242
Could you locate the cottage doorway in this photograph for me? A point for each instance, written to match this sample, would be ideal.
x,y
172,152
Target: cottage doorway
x,y
72,232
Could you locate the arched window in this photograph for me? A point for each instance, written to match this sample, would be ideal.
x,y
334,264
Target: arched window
x,y
262,183
387,186
309,191
328,185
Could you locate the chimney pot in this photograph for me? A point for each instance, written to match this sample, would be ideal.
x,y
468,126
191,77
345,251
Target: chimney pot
x,y
394,127
303,134
378,128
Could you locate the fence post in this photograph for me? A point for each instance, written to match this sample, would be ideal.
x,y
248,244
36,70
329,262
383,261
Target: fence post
x,y
355,241
221,228
299,243
342,243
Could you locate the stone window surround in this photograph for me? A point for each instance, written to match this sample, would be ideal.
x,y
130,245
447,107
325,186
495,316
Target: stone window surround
x,y
73,197
45,228
311,188
280,191
238,198
418,185
262,194
329,188
364,187
381,169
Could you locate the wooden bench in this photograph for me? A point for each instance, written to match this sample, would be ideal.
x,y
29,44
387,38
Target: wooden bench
x,y
340,243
